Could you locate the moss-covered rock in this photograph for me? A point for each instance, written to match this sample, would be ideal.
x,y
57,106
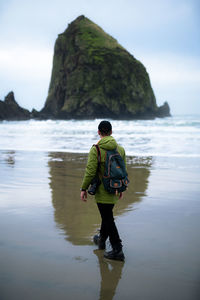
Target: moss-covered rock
x,y
10,110
95,77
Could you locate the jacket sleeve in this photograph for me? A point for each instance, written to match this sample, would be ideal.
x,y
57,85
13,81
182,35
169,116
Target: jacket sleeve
x,y
91,168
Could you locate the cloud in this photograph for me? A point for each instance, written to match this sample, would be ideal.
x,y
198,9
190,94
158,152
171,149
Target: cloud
x,y
124,15
25,62
176,79
172,69
26,71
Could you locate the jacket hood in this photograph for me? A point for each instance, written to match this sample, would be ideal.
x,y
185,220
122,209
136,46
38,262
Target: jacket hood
x,y
107,143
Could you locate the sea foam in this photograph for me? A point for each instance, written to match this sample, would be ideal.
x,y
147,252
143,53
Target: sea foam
x,y
175,136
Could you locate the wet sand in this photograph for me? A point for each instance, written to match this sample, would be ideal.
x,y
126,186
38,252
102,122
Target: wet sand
x,y
46,249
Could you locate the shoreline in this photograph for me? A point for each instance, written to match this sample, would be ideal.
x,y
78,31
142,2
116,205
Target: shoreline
x,y
128,156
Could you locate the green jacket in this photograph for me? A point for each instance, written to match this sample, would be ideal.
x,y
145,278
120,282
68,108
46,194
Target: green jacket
x,y
106,143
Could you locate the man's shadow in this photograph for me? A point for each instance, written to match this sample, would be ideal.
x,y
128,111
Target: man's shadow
x,y
111,273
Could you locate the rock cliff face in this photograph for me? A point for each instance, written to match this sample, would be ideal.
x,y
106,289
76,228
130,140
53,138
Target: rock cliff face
x,y
10,110
95,77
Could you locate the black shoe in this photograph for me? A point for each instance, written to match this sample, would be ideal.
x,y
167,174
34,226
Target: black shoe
x,y
99,242
115,254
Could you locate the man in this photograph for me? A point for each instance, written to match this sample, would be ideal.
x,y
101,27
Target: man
x,y
105,200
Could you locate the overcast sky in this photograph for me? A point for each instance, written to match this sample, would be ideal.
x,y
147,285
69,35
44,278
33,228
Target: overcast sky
x,y
163,34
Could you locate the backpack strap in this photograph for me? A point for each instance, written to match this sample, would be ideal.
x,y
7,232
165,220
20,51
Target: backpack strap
x,y
98,156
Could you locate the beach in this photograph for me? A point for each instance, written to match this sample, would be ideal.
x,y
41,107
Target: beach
x,y
46,231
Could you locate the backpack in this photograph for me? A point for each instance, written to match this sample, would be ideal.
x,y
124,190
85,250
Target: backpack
x,y
115,178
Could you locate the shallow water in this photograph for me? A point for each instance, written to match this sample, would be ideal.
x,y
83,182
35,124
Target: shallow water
x,y
46,249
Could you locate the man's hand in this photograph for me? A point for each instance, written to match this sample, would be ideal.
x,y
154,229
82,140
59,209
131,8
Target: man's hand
x,y
84,196
120,195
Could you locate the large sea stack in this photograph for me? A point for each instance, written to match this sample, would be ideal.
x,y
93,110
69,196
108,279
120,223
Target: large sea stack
x,y
95,77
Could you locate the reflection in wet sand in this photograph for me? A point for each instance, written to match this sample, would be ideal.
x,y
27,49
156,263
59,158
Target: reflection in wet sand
x,y
111,273
78,220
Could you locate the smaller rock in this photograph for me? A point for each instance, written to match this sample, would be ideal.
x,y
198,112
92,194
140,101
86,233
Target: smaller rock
x,y
10,99
35,114
163,111
10,110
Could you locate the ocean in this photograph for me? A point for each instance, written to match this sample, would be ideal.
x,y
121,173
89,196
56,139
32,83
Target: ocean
x,y
177,136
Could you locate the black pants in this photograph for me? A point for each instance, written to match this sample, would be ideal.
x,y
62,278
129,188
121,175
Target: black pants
x,y
108,227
